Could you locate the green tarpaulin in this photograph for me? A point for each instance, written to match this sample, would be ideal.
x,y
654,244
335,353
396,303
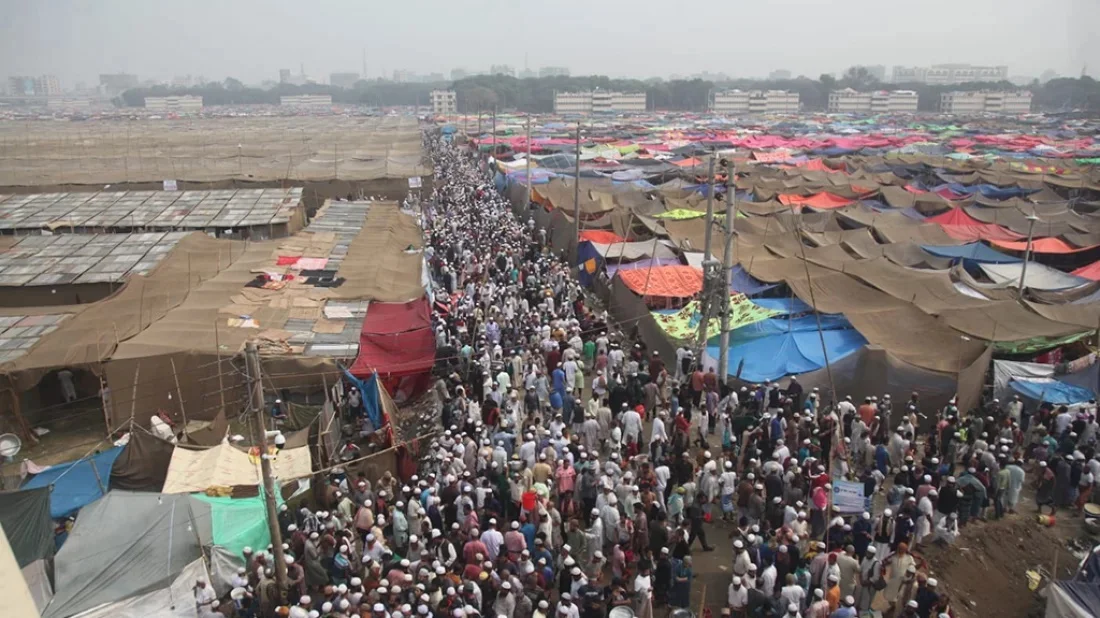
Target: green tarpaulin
x,y
236,523
684,324
1037,344
680,214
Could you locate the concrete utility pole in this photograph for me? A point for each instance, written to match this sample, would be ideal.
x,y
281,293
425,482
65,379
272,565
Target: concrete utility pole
x,y
528,161
252,358
577,188
706,307
727,270
1031,219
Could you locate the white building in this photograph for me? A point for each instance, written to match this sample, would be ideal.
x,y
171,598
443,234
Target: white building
x,y
553,72
730,102
600,102
68,103
312,101
175,104
949,74
755,102
982,102
894,101
444,102
849,101
998,102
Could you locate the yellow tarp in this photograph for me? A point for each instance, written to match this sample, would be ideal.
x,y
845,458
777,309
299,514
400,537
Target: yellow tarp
x,y
684,324
680,214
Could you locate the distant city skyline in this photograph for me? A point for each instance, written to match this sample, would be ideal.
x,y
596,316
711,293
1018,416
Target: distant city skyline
x,y
49,84
252,39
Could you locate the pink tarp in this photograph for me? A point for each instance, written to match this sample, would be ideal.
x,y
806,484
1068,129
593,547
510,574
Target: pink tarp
x,y
821,200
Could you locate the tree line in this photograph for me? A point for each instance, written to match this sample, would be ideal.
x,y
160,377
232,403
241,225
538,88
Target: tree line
x,y
486,92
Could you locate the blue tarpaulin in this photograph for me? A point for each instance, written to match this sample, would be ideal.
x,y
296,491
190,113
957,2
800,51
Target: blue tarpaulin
x,y
975,251
990,191
538,177
763,357
369,390
1053,391
743,282
589,262
76,483
785,305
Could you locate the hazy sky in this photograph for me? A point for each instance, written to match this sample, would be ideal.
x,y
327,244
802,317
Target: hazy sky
x,y
252,39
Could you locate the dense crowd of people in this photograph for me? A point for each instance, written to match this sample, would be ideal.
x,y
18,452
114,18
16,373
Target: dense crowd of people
x,y
578,472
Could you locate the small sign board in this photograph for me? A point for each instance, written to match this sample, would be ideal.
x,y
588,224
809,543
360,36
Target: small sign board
x,y
170,185
848,498
415,182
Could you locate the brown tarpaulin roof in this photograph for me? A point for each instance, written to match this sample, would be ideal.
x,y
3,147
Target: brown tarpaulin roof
x,y
143,464
92,335
895,325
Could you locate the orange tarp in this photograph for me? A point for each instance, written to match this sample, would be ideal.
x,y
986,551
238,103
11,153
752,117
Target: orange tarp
x,y
603,237
816,165
687,162
674,281
1043,245
817,200
772,157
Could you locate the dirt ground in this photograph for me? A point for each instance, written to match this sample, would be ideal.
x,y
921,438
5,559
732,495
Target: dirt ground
x,y
74,431
985,571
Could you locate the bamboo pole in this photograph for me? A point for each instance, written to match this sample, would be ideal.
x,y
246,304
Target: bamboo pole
x,y
179,395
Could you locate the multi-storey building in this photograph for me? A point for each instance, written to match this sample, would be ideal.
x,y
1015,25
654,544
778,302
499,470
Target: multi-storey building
x,y
599,101
444,102
982,101
174,104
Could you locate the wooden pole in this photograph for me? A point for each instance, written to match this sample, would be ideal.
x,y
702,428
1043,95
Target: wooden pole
x,y
253,359
179,395
133,396
218,349
649,272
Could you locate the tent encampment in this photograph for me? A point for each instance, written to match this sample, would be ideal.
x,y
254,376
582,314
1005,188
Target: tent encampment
x,y
135,552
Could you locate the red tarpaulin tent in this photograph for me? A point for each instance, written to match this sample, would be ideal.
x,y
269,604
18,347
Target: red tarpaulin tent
x,y
817,200
396,340
961,226
1043,245
1092,271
